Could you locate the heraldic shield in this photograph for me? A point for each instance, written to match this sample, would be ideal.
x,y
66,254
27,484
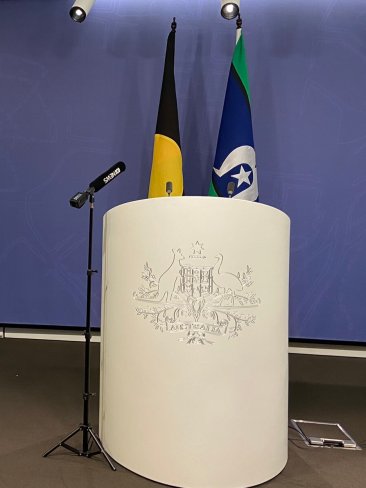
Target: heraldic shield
x,y
194,340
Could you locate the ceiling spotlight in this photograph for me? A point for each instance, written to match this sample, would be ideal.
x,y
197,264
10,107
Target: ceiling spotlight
x,y
230,10
80,10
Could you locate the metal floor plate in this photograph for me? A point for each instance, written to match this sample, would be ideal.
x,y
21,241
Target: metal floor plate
x,y
324,434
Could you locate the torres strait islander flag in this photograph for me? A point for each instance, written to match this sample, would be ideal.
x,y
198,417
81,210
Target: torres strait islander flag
x,y
234,168
167,157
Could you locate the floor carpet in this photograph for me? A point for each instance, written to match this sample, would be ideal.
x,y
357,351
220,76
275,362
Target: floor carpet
x,y
40,402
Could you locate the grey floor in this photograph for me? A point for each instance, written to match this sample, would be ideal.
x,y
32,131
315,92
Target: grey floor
x,y
40,401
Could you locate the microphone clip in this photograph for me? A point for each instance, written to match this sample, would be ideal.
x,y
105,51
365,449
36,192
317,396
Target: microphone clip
x,y
80,198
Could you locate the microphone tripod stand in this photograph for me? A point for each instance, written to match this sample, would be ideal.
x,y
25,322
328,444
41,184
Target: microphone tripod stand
x,y
88,435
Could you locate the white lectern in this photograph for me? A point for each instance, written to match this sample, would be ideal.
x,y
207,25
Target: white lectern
x,y
194,340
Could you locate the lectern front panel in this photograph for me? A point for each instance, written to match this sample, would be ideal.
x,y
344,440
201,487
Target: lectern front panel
x,y
194,372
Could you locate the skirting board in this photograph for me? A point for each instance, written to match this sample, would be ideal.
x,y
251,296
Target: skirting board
x,y
48,335
312,349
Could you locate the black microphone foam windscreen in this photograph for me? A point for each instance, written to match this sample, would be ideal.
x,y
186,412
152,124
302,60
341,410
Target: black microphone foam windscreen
x,y
107,176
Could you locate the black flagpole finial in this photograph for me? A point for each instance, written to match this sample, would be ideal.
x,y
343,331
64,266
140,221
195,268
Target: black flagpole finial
x,y
174,25
239,22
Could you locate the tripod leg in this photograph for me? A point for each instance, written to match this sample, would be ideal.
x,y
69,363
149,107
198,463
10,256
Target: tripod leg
x,y
101,448
60,444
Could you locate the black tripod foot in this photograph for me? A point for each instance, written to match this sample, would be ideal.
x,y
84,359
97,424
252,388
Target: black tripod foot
x,y
89,436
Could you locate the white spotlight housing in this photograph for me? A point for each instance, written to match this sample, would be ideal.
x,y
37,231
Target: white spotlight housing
x,y
80,10
230,9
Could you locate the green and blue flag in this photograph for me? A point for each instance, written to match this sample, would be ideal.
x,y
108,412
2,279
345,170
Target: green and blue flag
x,y
234,171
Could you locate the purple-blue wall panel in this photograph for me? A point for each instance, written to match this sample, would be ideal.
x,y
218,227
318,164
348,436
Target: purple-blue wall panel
x,y
74,99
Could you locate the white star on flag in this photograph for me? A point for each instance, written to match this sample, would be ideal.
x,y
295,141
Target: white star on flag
x,y
242,176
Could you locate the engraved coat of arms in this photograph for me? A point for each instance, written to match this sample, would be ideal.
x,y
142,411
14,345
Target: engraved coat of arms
x,y
197,298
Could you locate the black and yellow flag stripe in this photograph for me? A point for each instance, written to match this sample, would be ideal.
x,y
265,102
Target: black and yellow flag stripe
x,y
167,156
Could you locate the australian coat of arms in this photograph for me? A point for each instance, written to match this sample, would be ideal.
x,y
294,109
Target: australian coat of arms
x,y
196,298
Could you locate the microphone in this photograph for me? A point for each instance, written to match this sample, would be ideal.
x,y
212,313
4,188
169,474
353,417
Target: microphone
x,y
230,188
169,187
78,200
106,177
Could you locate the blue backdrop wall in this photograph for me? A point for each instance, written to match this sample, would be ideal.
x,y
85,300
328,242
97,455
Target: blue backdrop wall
x,y
76,98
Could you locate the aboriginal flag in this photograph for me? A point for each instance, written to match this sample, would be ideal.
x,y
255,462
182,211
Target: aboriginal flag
x,y
167,157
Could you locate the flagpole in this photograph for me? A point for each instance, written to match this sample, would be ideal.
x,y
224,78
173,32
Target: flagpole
x,y
239,21
166,164
239,24
235,156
